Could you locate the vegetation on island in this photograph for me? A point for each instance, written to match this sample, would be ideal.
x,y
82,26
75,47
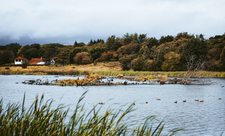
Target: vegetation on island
x,y
41,119
134,51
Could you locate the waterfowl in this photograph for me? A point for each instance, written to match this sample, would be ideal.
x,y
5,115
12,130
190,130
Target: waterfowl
x,y
158,99
101,103
146,102
196,100
202,101
133,103
175,102
220,98
184,100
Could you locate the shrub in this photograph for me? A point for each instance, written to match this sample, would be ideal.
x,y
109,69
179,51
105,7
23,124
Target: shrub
x,y
24,65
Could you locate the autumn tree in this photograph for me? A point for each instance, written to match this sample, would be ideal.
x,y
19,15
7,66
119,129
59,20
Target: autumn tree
x,y
83,58
172,62
131,48
73,53
108,56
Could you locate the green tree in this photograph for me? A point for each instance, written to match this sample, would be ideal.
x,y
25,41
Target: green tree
x,y
168,38
126,61
23,51
141,38
14,47
81,44
152,42
184,35
6,56
62,57
138,63
149,65
49,51
96,52
194,47
222,60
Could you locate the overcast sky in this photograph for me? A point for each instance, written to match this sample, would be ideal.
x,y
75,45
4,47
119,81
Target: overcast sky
x,y
64,21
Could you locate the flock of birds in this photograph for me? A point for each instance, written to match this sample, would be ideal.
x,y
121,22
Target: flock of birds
x,y
101,103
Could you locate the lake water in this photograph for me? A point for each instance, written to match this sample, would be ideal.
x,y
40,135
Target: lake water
x,y
198,118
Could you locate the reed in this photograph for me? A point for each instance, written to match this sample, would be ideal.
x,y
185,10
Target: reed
x,y
41,119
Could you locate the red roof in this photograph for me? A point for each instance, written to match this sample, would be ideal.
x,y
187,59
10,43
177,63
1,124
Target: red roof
x,y
20,58
35,60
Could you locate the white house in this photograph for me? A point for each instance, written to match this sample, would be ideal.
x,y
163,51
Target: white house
x,y
20,60
52,61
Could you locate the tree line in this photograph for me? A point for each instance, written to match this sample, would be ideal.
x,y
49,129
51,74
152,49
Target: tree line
x,y
133,51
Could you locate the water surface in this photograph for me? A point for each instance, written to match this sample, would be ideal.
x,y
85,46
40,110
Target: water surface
x,y
198,118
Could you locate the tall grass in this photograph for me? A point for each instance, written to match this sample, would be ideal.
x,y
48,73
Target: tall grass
x,y
169,74
41,119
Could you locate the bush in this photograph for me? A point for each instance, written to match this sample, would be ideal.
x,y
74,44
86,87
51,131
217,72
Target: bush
x,y
24,65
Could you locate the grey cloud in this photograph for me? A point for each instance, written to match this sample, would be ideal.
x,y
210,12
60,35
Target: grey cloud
x,y
86,19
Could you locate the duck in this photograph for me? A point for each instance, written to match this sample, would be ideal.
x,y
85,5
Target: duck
x,y
175,102
202,101
133,103
220,98
101,103
158,99
196,100
146,102
184,100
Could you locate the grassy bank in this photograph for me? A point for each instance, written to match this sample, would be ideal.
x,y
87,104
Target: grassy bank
x,y
169,74
109,69
41,119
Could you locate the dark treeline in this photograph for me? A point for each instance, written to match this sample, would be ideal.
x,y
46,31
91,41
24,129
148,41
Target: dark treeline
x,y
133,51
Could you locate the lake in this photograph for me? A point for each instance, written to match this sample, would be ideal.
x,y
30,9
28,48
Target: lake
x,y
198,118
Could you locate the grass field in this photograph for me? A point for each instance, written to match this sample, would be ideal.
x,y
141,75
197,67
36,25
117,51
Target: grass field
x,y
110,68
